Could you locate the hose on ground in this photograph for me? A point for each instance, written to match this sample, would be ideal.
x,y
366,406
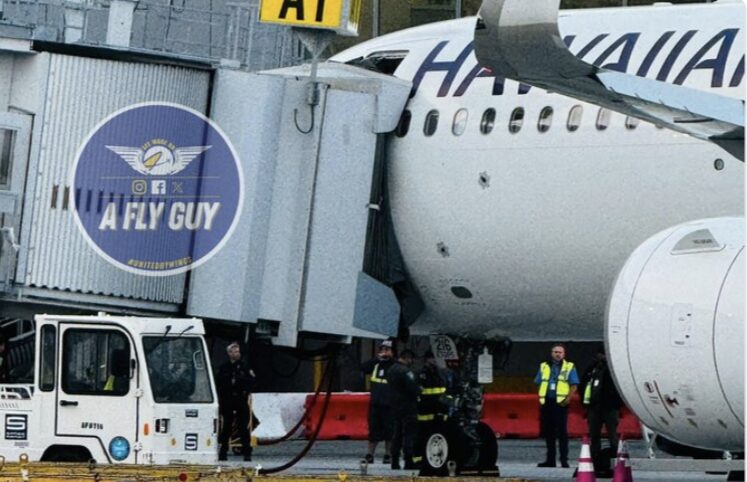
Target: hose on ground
x,y
298,424
329,375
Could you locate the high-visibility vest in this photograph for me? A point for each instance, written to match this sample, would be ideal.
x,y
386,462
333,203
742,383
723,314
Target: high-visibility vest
x,y
563,388
592,387
375,378
587,392
109,386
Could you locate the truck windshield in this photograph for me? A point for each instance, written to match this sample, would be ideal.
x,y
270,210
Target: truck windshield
x,y
177,369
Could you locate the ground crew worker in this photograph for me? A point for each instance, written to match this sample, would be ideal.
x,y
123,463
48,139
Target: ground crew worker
x,y
603,403
433,403
235,382
405,390
379,408
558,381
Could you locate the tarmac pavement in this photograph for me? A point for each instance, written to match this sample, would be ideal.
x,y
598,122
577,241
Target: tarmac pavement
x,y
516,459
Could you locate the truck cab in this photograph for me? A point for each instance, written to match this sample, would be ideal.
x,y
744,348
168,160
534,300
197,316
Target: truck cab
x,y
115,389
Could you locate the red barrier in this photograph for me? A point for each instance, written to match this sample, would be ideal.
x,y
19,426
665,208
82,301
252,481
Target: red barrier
x,y
346,418
516,415
511,415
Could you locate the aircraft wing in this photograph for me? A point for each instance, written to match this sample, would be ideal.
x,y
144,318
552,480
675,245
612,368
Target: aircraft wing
x,y
520,40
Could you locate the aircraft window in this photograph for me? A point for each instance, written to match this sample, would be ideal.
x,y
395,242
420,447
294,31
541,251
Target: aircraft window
x,y
517,119
404,124
488,121
460,122
603,119
631,122
431,123
545,119
383,62
574,118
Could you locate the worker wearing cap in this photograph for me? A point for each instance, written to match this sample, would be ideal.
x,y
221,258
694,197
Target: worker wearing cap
x,y
379,409
558,381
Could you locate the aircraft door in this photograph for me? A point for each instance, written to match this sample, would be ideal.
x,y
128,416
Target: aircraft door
x,y
15,134
97,390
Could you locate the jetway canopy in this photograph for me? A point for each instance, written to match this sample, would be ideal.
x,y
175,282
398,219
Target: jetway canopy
x,y
295,259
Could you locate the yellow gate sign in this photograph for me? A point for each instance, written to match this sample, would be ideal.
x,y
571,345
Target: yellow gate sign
x,y
334,15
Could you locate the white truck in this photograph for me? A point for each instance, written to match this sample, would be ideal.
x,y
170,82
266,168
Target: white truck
x,y
115,389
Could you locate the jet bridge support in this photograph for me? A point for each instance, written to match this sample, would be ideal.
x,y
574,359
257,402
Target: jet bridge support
x,y
295,261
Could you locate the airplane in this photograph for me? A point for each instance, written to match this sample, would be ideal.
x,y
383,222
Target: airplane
x,y
515,207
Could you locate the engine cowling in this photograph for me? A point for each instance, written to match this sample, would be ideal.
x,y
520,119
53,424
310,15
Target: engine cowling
x,y
675,333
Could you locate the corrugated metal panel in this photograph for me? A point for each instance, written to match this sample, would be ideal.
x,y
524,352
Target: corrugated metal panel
x,y
82,92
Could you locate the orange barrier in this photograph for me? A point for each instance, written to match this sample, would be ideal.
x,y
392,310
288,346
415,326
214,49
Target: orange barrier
x,y
516,415
347,417
510,415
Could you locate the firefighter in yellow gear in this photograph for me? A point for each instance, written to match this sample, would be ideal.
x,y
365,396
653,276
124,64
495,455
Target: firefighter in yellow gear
x,y
433,401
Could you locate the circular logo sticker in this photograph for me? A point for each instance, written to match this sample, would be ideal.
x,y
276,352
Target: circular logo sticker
x,y
157,189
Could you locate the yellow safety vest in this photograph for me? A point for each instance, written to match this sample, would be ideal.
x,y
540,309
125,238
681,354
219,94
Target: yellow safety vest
x,y
109,387
587,392
563,388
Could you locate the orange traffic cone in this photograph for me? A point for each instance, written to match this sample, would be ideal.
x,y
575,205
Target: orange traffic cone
x,y
623,470
585,471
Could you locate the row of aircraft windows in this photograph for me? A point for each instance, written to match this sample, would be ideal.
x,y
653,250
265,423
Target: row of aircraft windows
x,y
516,121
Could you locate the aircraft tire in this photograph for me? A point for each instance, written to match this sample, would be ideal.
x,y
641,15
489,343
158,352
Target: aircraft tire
x,y
488,447
440,444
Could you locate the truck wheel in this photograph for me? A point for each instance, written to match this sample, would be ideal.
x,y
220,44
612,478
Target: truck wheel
x,y
488,447
439,445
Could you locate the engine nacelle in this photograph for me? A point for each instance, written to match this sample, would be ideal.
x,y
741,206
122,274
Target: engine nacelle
x,y
675,333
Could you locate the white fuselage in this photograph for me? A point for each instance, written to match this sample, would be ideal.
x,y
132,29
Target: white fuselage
x,y
536,225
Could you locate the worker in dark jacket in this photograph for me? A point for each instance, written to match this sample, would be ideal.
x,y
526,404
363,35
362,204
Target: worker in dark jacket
x,y
379,409
433,400
603,404
235,382
404,387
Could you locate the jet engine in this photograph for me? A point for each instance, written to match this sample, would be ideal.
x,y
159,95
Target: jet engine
x,y
675,333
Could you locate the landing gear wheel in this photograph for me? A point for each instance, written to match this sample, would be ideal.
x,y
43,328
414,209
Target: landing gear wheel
x,y
488,447
437,450
439,445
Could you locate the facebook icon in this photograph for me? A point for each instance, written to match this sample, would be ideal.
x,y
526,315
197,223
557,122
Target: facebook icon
x,y
158,187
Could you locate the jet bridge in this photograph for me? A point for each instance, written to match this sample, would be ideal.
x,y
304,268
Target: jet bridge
x,y
295,261
311,159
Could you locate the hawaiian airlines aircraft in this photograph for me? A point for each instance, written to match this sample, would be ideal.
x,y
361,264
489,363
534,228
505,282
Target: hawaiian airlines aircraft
x,y
516,208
